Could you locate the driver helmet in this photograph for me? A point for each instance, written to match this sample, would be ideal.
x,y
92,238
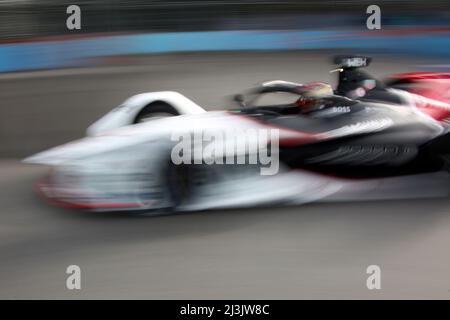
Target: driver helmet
x,y
311,95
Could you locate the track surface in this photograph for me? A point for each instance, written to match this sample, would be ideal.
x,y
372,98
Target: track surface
x,y
312,251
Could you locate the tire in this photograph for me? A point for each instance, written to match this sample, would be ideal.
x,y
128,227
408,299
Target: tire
x,y
179,184
184,182
155,110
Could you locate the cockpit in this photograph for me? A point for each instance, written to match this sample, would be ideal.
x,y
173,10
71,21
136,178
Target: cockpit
x,y
289,98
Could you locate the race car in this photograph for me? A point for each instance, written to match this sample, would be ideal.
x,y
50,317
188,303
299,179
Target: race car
x,y
367,139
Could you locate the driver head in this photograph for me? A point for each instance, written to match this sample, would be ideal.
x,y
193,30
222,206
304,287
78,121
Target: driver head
x,y
311,95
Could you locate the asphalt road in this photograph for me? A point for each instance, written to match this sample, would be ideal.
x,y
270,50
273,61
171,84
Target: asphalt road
x,y
311,251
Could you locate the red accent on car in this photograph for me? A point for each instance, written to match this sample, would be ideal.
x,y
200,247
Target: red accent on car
x,y
434,86
54,201
420,76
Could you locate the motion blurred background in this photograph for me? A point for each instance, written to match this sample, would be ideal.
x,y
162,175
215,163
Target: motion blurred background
x,y
54,82
135,27
25,19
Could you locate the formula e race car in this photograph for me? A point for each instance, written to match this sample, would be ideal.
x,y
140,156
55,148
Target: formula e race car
x,y
286,143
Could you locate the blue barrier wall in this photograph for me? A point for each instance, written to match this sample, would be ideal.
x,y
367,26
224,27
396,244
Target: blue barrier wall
x,y
74,52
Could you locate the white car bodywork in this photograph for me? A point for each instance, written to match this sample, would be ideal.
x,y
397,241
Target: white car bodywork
x,y
120,166
124,114
123,169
